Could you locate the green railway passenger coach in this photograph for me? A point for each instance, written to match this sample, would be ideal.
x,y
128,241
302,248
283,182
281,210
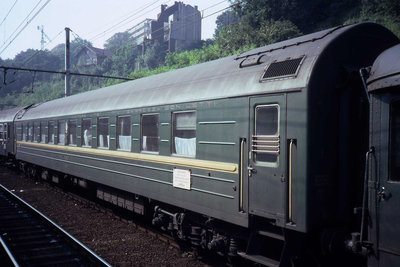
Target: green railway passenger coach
x,y
259,155
7,144
384,160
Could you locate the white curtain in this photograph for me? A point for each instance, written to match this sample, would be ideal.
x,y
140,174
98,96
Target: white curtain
x,y
185,146
85,138
124,142
61,138
101,140
144,142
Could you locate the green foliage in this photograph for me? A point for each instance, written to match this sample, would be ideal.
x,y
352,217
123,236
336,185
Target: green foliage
x,y
385,12
226,18
123,60
192,57
117,40
236,36
154,56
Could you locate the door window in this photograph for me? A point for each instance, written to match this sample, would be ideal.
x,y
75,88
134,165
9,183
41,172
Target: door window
x,y
265,143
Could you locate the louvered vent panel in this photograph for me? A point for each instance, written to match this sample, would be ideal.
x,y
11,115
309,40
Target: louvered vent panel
x,y
281,69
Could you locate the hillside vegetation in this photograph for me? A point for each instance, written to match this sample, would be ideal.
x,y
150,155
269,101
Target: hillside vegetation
x,y
248,24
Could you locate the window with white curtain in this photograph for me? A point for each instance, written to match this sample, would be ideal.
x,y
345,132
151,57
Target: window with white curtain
x,y
103,137
124,133
51,132
42,132
184,133
61,132
72,132
87,132
35,133
6,131
30,132
150,132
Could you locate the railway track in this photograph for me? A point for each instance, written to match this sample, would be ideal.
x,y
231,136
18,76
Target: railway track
x,y
31,239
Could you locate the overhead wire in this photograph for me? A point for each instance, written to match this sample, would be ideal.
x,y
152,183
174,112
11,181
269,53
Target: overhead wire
x,y
193,14
162,28
8,13
116,26
27,23
22,22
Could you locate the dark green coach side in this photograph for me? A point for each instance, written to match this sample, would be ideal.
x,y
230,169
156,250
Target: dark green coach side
x,y
7,144
277,131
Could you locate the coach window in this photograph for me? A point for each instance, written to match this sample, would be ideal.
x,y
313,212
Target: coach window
x,y
87,132
30,132
23,132
265,144
42,132
124,133
19,132
72,132
51,132
184,133
61,132
103,137
1,132
150,132
6,131
35,133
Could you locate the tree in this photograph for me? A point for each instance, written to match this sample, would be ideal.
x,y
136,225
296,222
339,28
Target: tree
x,y
236,37
117,40
123,61
226,18
154,55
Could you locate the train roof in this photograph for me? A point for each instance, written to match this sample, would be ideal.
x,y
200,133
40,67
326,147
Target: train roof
x,y
8,115
385,71
245,74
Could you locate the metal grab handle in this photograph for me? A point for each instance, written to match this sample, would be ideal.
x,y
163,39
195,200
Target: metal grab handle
x,y
251,170
383,194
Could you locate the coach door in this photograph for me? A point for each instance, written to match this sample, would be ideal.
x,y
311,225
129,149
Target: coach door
x,y
267,157
387,189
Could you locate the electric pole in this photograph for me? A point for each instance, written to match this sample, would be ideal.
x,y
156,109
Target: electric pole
x,y
67,63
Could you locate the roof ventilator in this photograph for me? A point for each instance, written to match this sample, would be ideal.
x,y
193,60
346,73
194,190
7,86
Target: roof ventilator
x,y
283,69
253,60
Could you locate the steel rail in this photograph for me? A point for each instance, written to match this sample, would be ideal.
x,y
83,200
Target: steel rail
x,y
80,248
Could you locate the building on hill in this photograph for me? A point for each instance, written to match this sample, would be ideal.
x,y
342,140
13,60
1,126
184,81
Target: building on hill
x,y
176,26
91,56
141,32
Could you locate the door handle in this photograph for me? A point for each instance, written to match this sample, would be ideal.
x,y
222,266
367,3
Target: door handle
x,y
251,170
383,194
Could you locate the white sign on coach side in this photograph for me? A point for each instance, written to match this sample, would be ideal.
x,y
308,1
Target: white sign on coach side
x,y
182,179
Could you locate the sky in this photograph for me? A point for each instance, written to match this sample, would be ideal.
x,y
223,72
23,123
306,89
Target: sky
x,y
93,20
